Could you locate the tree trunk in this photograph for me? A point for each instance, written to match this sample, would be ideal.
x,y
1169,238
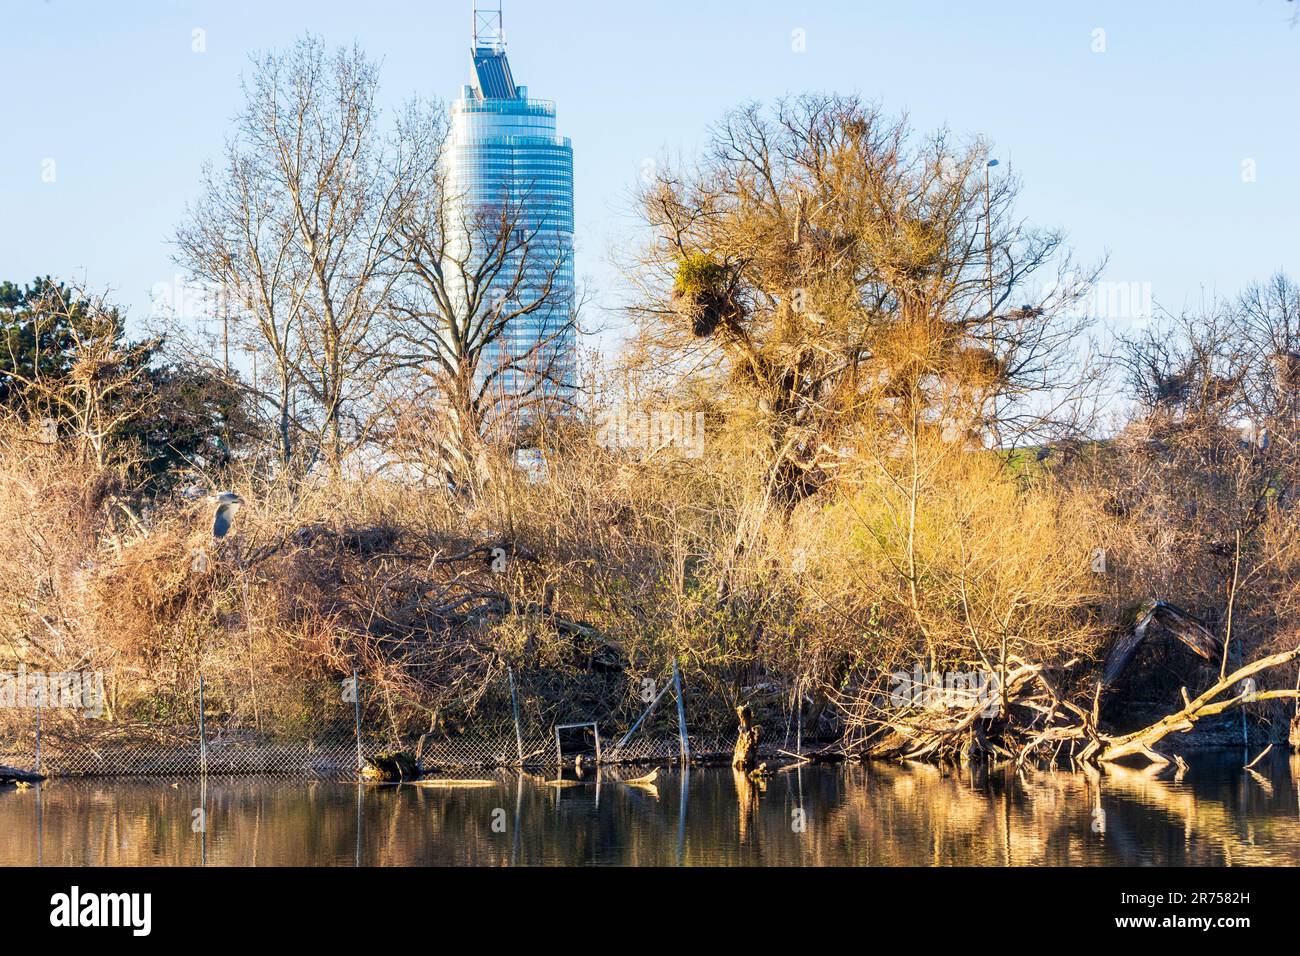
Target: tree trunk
x,y
745,756
286,440
462,443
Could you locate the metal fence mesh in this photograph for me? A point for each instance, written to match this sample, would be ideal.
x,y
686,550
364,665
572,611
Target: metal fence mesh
x,y
69,743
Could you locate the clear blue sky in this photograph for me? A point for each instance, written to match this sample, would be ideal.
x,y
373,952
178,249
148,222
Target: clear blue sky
x,y
1137,151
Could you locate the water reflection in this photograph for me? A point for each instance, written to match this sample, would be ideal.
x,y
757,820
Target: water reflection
x,y
883,815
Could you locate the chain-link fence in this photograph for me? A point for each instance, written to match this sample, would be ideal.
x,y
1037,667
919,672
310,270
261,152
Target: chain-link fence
x,y
332,730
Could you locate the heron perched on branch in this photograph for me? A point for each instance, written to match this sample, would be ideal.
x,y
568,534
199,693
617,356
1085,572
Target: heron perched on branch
x,y
227,505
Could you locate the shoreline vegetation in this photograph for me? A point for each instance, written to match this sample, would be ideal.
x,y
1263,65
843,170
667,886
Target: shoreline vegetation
x,y
921,452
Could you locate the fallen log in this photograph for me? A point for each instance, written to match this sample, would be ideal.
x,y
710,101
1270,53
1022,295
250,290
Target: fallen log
x,y
1205,705
1055,720
12,775
451,784
1107,748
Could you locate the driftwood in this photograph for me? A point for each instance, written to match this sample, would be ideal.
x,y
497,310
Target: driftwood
x,y
1267,750
959,732
1106,748
745,756
832,754
1294,737
451,784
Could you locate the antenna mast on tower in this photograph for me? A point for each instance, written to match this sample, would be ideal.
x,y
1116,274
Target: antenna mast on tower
x,y
489,33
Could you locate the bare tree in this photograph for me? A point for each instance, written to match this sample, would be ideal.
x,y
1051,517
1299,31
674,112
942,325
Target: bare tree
x,y
472,271
1202,481
238,239
301,224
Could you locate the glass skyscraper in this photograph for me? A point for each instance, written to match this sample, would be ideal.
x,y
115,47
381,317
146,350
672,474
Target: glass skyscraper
x,y
504,149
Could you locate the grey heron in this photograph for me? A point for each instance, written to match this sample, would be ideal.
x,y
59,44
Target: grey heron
x,y
227,505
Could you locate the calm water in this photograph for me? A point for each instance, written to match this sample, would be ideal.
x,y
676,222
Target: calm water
x,y
877,815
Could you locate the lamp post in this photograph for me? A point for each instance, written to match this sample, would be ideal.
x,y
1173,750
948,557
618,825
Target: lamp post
x,y
988,240
988,261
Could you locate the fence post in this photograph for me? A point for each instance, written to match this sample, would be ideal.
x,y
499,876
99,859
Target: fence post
x,y
798,732
203,732
514,706
39,702
684,743
356,707
1245,736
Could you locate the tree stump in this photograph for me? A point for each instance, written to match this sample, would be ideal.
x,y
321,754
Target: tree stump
x,y
1294,737
745,756
393,767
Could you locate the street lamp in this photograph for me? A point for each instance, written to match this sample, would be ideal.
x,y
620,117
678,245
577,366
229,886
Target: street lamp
x,y
988,243
988,239
988,257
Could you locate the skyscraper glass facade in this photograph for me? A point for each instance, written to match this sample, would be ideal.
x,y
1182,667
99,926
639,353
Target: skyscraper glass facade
x,y
504,149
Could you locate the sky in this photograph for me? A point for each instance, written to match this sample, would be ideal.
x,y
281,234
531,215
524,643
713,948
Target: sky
x,y
1162,134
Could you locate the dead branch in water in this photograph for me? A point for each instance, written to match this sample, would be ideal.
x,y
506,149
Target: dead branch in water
x,y
1052,721
1207,704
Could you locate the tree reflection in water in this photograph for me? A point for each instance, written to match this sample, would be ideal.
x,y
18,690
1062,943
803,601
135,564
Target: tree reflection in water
x,y
880,815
